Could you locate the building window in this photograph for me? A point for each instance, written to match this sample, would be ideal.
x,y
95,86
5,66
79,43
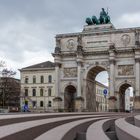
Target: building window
x,y
41,103
34,92
49,92
49,104
42,79
50,79
101,92
26,92
26,80
34,103
41,92
34,79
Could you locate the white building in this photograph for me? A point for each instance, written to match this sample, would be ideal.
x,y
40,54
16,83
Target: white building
x,y
37,86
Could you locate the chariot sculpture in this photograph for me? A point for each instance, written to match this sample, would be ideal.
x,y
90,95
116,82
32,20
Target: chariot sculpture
x,y
103,19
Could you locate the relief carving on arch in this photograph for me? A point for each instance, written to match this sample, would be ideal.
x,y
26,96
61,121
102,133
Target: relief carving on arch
x,y
70,72
124,70
125,39
71,44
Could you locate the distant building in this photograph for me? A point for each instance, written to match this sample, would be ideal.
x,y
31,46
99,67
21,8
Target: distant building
x,y
101,100
131,103
37,86
127,100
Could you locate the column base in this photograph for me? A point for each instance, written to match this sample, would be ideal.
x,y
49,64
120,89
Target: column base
x,y
57,104
112,104
79,104
137,104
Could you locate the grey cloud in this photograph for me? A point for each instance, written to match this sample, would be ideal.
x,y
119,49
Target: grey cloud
x,y
20,36
28,27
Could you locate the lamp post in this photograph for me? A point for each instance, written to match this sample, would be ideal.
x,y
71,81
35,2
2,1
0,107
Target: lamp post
x,y
105,103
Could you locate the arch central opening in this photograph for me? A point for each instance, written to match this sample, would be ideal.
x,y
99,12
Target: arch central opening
x,y
96,83
126,97
69,98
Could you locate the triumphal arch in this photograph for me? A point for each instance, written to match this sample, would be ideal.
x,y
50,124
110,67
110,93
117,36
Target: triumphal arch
x,y
79,57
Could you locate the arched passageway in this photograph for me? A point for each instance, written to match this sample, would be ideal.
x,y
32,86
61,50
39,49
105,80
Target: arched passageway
x,y
69,98
91,103
125,95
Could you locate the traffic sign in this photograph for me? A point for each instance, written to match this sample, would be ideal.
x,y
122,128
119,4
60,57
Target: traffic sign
x,y
105,91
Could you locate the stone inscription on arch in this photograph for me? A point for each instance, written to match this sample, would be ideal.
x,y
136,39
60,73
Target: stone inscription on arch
x,y
124,70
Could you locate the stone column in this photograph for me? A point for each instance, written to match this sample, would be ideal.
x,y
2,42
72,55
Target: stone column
x,y
137,67
118,100
79,79
112,97
111,78
137,90
137,72
57,79
57,100
79,99
57,59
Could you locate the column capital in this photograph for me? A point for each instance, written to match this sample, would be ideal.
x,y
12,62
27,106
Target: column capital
x,y
112,61
79,63
79,78
137,43
137,59
111,46
57,64
80,50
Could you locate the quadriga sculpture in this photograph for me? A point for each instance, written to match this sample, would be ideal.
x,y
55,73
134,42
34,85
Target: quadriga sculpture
x,y
103,19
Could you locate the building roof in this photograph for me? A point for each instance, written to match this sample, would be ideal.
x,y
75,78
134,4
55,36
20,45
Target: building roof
x,y
42,65
101,84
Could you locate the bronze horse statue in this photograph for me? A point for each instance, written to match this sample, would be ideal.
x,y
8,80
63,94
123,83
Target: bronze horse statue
x,y
95,20
103,19
89,21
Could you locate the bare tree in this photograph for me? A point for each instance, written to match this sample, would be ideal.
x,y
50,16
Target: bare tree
x,y
9,88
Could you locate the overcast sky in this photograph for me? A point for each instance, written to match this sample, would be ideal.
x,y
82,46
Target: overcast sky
x,y
28,27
